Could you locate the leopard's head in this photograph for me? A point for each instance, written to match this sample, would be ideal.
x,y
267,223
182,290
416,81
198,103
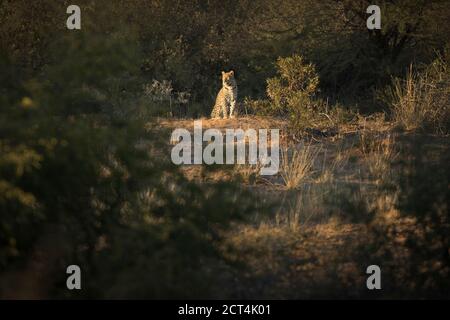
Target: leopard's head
x,y
228,78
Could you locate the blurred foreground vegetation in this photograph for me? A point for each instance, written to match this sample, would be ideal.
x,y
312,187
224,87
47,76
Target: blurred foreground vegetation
x,y
96,188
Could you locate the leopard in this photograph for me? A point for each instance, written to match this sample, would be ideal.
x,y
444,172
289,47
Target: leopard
x,y
225,105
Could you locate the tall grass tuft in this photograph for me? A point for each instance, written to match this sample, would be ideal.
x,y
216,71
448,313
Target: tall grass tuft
x,y
378,153
422,100
297,166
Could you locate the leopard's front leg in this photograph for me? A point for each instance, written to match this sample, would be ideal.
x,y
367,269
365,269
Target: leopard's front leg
x,y
232,106
233,102
224,110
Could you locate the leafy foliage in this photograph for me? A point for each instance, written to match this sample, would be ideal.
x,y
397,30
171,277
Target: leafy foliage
x,y
296,83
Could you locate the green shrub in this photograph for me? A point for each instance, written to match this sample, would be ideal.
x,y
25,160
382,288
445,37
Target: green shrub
x,y
295,85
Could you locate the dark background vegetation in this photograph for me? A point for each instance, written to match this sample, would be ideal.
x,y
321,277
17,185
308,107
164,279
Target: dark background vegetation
x,y
84,173
190,42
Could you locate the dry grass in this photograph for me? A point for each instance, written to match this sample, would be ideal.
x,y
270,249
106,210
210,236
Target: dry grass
x,y
306,206
294,265
248,173
254,122
331,168
411,100
422,100
297,165
378,153
329,191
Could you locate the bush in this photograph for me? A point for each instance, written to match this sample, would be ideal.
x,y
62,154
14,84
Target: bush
x,y
294,86
291,93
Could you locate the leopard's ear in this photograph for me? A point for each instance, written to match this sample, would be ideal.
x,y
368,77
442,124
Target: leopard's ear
x,y
223,72
231,72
